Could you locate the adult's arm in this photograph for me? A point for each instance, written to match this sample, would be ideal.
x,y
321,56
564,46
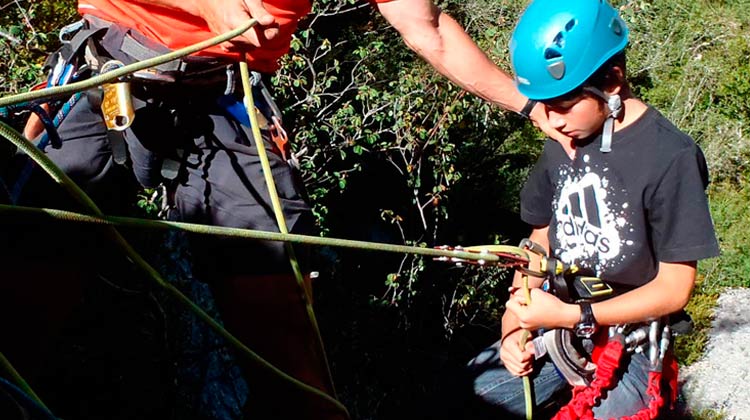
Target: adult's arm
x,y
443,43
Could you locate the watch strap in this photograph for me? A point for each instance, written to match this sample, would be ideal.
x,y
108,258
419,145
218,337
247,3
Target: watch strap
x,y
586,327
587,314
526,110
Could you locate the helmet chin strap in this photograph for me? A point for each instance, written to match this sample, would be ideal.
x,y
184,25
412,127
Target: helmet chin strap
x,y
614,103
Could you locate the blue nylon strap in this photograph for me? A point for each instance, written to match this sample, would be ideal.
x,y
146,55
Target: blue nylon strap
x,y
236,108
49,126
28,169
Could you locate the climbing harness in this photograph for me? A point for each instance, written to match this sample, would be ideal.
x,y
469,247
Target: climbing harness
x,y
589,362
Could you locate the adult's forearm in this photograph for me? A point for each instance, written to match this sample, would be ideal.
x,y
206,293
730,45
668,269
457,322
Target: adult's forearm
x,y
443,43
454,54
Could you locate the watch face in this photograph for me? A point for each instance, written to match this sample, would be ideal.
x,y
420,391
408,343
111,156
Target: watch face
x,y
585,330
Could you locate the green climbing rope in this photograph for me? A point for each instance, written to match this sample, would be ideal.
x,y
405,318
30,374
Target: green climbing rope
x,y
97,217
34,214
280,220
17,379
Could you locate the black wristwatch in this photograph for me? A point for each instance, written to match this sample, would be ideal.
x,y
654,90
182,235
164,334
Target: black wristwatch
x,y
526,111
586,327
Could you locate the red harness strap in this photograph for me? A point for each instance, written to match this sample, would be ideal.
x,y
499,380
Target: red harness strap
x,y
584,398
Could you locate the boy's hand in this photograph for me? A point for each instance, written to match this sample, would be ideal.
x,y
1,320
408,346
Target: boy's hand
x,y
518,363
545,310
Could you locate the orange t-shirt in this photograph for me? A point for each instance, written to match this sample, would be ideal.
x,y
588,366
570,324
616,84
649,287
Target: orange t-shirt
x,y
176,29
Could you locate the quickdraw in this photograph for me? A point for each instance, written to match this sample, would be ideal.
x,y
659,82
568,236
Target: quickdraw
x,y
514,257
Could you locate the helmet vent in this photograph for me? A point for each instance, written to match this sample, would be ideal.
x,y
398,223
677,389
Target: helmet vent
x,y
571,23
551,53
616,27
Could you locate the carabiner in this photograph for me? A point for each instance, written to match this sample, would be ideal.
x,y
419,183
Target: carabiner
x,y
68,31
528,245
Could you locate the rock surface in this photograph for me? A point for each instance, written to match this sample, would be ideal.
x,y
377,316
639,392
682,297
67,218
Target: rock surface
x,y
719,380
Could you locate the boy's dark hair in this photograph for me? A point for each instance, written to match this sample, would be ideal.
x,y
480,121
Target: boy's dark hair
x,y
600,77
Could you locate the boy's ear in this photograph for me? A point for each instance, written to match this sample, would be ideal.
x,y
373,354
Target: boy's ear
x,y
614,81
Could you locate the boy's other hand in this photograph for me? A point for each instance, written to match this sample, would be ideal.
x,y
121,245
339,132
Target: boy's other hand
x,y
518,362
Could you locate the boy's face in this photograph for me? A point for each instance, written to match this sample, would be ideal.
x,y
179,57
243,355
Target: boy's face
x,y
578,115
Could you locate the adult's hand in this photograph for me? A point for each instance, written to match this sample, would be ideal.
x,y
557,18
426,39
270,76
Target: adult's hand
x,y
538,116
224,15
518,362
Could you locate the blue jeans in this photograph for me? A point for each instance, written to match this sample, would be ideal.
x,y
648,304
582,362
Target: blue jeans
x,y
496,387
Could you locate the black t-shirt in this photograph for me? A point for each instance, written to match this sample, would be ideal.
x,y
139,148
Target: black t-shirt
x,y
622,212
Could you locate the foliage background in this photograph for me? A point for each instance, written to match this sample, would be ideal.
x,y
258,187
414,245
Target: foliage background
x,y
391,152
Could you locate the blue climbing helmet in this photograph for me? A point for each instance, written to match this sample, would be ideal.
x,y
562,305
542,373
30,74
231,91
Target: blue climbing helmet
x,y
557,44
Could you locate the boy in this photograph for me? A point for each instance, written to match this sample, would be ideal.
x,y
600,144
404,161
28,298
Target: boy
x,y
623,197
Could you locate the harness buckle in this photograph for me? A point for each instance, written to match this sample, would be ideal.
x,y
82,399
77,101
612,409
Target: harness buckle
x,y
591,288
68,31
